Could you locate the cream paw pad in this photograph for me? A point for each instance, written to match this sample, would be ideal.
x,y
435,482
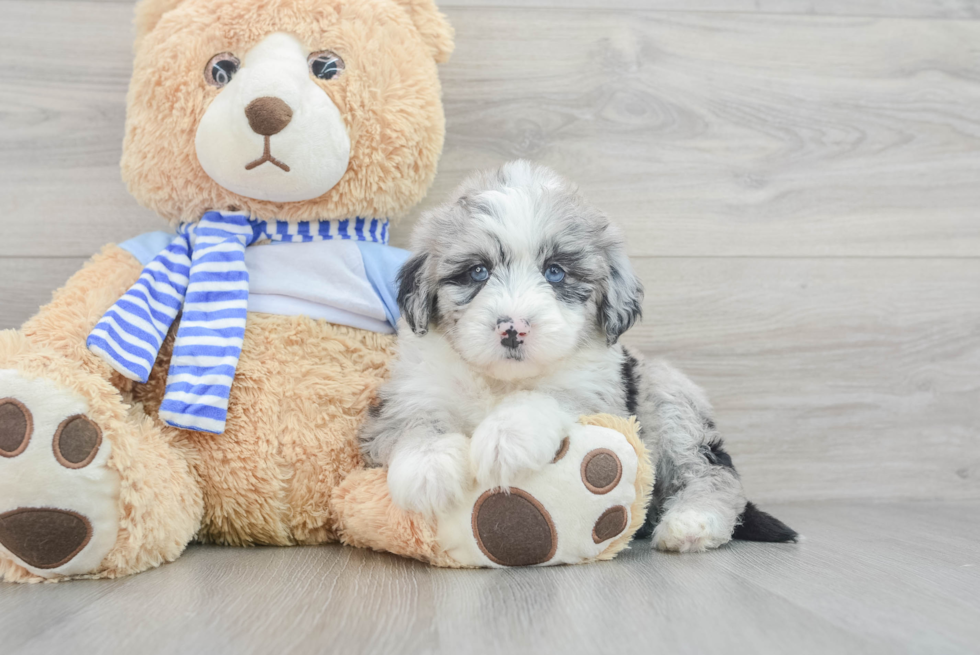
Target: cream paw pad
x,y
585,505
58,495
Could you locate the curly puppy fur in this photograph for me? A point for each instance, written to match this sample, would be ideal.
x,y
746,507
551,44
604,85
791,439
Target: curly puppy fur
x,y
514,304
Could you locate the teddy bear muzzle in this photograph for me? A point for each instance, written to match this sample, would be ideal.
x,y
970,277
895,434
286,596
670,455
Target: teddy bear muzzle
x,y
272,132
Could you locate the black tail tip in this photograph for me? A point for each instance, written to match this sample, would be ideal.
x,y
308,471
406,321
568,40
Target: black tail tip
x,y
756,525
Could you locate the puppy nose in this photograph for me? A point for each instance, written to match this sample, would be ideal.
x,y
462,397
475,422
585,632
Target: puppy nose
x,y
268,115
512,333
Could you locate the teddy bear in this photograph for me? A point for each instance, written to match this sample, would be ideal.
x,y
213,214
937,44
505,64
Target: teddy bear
x,y
207,384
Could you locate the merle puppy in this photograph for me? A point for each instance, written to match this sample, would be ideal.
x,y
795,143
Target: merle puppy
x,y
512,309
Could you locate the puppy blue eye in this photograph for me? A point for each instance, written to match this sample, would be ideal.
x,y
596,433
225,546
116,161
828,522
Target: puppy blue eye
x,y
554,274
479,273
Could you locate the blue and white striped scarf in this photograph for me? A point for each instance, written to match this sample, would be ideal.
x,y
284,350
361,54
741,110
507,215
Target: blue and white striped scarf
x,y
202,274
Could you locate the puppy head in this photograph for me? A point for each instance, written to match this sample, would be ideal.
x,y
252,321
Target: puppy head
x,y
287,109
518,272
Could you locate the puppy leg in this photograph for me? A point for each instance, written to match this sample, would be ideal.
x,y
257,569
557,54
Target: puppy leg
x,y
522,433
698,496
428,472
701,516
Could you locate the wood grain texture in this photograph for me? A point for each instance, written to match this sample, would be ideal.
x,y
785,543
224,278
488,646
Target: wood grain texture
x,y
63,99
867,579
905,8
893,8
832,378
704,134
27,283
736,135
799,193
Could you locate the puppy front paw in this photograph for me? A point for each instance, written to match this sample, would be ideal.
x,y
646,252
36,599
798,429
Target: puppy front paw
x,y
690,531
429,477
507,443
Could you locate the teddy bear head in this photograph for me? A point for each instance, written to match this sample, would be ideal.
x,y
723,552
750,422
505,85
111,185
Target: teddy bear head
x,y
287,109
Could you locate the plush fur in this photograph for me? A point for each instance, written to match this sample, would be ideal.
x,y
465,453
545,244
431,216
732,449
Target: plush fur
x,y
514,303
301,391
303,386
390,50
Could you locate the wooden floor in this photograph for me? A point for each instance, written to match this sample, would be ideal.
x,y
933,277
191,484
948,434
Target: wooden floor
x,y
890,579
800,183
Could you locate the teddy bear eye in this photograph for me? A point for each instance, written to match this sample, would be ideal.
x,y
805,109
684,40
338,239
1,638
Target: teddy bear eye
x,y
221,69
326,65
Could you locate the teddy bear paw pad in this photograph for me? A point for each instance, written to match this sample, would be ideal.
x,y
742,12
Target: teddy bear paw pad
x,y
58,497
566,513
513,529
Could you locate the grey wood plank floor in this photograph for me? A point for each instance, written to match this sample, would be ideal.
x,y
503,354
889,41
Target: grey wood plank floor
x,y
868,578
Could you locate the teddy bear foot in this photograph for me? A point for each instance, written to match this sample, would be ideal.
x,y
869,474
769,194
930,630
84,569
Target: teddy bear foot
x,y
584,506
58,497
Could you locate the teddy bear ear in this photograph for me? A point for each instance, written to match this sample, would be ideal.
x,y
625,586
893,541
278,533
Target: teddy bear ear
x,y
432,25
148,14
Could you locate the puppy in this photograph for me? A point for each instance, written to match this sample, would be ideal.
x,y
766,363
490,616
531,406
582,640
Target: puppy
x,y
512,310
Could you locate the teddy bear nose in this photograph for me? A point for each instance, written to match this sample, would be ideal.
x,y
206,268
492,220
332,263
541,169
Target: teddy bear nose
x,y
268,115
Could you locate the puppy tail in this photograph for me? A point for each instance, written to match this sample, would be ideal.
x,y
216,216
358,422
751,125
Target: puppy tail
x,y
756,525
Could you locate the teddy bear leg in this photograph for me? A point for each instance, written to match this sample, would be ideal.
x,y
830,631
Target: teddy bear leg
x,y
584,506
89,485
368,518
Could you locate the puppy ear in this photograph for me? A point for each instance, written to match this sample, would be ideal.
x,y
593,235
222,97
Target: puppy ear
x,y
432,25
621,304
148,14
414,294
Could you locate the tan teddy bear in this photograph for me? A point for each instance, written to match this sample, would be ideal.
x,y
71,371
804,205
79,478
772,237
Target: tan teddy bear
x,y
209,385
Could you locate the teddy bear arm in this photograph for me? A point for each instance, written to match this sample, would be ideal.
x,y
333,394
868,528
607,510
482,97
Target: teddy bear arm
x,y
63,325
